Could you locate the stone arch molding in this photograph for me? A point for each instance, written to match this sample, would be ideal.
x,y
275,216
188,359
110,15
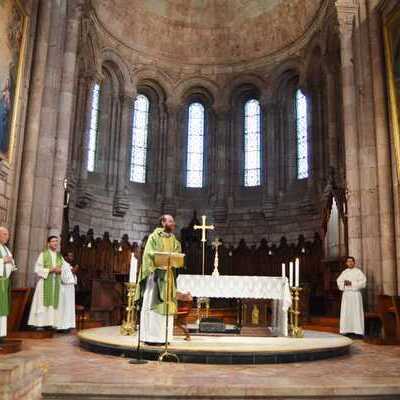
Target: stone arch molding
x,y
184,88
155,78
110,56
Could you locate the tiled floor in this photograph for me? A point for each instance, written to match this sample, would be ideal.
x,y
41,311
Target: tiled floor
x,y
369,369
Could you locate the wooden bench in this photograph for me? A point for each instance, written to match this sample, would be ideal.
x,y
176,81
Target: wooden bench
x,y
387,316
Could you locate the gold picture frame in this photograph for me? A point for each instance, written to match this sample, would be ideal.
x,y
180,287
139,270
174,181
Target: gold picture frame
x,y
14,35
391,33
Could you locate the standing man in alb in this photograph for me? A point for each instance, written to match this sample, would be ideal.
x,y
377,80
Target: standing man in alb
x,y
7,266
46,310
351,281
152,285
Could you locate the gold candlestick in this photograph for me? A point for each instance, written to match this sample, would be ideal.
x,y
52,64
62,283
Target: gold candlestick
x,y
295,330
128,327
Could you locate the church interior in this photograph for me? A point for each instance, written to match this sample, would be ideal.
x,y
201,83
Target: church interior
x,y
188,189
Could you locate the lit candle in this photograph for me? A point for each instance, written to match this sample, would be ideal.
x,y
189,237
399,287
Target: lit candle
x,y
283,270
297,272
291,273
133,269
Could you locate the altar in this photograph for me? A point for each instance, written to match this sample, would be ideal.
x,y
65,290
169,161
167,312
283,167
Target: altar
x,y
243,287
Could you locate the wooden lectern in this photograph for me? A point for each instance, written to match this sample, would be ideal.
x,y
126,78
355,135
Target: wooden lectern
x,y
167,261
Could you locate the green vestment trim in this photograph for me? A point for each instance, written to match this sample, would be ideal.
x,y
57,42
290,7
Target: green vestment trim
x,y
5,292
159,241
51,285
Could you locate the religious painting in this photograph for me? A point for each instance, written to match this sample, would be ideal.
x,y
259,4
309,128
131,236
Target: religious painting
x,y
392,56
12,44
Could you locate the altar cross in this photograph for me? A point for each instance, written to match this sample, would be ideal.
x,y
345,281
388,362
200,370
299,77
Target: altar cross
x,y
204,228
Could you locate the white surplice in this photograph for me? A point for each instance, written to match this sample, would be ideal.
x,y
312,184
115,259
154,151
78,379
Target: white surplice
x,y
65,315
5,269
351,311
153,324
40,315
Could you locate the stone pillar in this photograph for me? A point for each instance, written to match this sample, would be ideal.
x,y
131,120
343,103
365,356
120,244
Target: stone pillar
x,y
221,167
270,169
172,170
385,188
350,133
121,204
83,196
43,179
331,102
32,129
65,116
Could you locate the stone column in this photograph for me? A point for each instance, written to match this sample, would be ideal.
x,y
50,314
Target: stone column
x,y
83,196
270,160
121,204
331,101
32,129
65,116
221,167
172,169
43,179
350,133
381,128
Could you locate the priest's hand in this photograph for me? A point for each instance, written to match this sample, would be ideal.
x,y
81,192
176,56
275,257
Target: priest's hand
x,y
56,270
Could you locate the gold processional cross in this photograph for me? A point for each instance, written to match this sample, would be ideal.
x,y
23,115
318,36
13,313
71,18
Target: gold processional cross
x,y
204,228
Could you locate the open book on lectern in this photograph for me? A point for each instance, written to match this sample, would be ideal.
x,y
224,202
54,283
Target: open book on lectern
x,y
164,259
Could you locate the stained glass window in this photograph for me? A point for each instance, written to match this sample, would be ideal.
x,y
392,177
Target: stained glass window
x,y
139,139
93,127
195,147
252,143
301,135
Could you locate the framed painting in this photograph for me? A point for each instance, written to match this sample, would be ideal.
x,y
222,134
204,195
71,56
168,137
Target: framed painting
x,y
391,32
13,31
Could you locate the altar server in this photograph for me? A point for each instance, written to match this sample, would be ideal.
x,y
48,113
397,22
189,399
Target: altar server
x,y
46,300
351,281
7,266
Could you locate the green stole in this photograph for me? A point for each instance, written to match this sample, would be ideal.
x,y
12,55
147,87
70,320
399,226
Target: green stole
x,y
51,287
158,241
5,291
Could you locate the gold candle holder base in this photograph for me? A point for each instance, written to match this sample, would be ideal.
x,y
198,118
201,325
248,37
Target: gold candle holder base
x,y
128,327
294,329
167,356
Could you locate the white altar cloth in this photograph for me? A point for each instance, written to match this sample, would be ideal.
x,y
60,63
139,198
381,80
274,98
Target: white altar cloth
x,y
243,287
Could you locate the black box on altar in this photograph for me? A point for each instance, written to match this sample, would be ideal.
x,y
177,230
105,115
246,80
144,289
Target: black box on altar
x,y
212,325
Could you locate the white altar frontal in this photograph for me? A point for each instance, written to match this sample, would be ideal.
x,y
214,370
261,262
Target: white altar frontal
x,y
243,287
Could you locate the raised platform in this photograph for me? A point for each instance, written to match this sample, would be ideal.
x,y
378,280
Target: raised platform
x,y
222,349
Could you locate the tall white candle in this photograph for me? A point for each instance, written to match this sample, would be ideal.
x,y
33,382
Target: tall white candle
x,y
283,270
297,272
133,269
291,273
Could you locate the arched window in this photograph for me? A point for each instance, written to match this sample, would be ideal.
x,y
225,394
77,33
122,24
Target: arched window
x,y
93,127
301,135
195,146
139,139
252,143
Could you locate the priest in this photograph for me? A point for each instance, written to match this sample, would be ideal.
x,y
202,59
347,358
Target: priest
x,y
152,285
7,266
351,281
45,304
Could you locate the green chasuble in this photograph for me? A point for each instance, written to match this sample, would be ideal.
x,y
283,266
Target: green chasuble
x,y
159,240
51,287
5,292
